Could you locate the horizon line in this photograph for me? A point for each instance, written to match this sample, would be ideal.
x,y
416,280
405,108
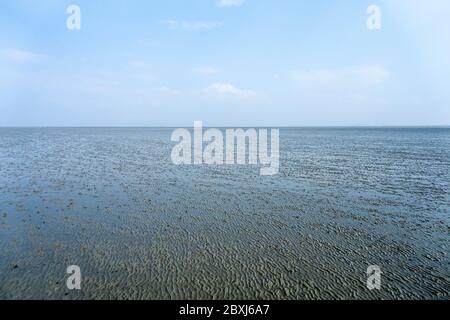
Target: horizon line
x,y
223,127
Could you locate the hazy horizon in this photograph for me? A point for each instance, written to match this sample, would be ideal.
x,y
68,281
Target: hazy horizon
x,y
234,126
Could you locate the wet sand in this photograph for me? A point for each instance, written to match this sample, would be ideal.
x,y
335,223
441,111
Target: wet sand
x,y
139,227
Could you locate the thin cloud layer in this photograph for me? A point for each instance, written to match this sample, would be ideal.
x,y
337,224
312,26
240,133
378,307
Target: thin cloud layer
x,y
230,90
20,56
230,3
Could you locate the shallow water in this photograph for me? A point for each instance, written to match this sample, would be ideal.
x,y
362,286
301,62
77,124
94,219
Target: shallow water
x,y
139,227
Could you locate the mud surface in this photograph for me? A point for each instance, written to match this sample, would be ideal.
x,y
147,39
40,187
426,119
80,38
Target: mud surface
x,y
139,227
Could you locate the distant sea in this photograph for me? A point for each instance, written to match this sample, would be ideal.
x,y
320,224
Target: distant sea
x,y
139,227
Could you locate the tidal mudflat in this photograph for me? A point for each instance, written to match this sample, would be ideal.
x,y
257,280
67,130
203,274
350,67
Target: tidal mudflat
x,y
111,201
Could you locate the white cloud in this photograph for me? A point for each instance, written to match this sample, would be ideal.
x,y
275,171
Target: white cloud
x,y
354,76
20,56
223,88
230,3
193,25
226,89
206,71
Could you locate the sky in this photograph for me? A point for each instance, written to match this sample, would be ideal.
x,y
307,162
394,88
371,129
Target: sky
x,y
224,62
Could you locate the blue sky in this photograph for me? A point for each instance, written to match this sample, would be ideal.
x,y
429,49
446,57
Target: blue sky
x,y
225,62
